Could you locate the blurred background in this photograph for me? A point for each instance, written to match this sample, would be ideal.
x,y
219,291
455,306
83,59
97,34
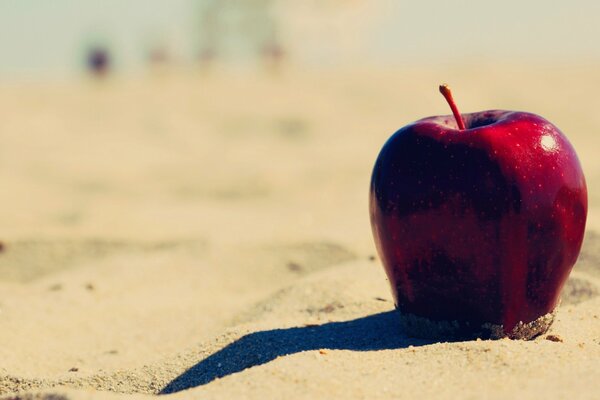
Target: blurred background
x,y
148,118
51,39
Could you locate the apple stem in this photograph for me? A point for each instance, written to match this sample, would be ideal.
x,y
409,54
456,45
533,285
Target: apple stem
x,y
447,93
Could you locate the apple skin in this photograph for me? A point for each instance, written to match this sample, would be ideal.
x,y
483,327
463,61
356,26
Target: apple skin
x,y
480,226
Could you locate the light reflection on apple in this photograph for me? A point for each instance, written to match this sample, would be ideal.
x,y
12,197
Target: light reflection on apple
x,y
548,143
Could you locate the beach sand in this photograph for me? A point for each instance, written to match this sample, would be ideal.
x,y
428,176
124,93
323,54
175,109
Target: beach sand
x,y
207,236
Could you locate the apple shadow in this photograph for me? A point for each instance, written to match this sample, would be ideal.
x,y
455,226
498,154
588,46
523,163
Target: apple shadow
x,y
374,332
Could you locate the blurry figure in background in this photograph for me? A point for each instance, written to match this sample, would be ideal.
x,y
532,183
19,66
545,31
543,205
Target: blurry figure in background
x,y
273,56
98,61
158,55
206,57
238,31
208,31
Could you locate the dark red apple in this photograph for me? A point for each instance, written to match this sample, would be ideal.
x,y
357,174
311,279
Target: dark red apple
x,y
478,220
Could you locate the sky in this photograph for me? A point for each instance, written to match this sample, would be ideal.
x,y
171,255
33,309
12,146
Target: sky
x,y
517,29
40,37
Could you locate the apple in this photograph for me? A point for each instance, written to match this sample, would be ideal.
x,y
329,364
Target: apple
x,y
478,220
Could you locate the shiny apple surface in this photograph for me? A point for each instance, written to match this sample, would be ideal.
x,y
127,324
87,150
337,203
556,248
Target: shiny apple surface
x,y
481,225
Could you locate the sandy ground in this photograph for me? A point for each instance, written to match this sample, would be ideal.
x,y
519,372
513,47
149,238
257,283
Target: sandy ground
x,y
208,237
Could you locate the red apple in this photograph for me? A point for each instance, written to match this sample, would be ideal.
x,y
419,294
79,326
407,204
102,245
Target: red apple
x,y
478,220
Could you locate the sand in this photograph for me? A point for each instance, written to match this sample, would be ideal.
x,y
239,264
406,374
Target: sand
x,y
207,236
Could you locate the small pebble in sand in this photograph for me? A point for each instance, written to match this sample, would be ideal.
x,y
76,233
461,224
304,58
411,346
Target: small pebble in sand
x,y
90,286
329,308
554,338
2,247
74,369
322,352
372,257
380,299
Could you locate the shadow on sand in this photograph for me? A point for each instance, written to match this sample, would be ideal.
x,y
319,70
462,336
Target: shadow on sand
x,y
374,332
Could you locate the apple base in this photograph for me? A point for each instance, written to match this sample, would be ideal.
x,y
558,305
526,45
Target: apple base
x,y
422,327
